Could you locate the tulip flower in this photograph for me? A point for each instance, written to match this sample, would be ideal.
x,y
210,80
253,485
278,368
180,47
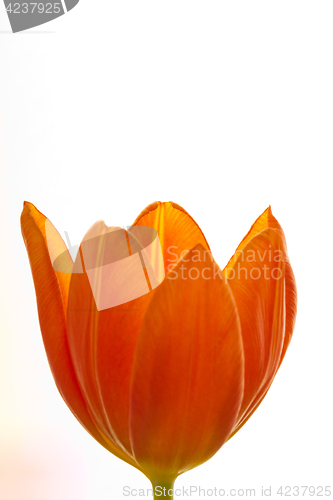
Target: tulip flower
x,y
164,380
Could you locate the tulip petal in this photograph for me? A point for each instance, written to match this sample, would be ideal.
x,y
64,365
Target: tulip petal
x,y
267,219
176,229
102,342
38,223
264,221
51,292
258,286
187,380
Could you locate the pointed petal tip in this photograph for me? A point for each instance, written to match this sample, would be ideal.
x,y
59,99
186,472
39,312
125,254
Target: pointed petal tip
x,y
26,210
267,211
26,205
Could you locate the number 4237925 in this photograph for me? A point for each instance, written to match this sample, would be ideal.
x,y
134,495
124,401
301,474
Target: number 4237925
x,y
295,491
32,7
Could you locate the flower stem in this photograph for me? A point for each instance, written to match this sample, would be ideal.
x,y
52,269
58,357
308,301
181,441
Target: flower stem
x,y
163,490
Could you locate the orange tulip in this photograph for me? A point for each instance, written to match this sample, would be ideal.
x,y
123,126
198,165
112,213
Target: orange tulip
x,y
163,381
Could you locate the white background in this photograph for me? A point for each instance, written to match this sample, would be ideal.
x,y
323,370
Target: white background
x,y
222,107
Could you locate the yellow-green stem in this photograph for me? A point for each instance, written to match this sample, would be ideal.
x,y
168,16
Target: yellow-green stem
x,y
163,490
